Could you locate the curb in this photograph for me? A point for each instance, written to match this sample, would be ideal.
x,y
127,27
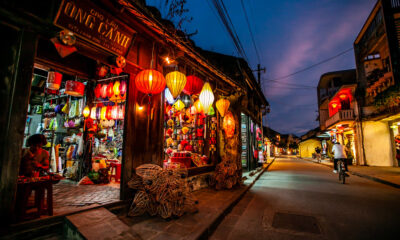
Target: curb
x,y
209,230
375,179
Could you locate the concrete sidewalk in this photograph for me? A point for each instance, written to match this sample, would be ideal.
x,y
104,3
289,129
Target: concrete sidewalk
x,y
385,175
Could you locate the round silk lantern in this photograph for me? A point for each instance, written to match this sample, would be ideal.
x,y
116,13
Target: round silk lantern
x,y
168,96
122,88
222,106
93,113
116,89
74,88
150,81
179,105
86,111
211,111
103,113
228,124
193,85
199,107
114,112
175,81
108,113
110,90
103,91
206,97
187,100
97,91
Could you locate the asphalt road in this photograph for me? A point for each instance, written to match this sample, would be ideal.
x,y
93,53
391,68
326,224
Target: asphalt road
x,y
297,199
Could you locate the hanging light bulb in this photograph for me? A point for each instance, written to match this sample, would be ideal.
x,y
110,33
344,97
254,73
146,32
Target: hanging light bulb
x,y
86,111
206,97
175,81
93,113
179,105
168,96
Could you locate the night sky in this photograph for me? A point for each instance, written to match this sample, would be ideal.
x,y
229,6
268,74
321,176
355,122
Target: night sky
x,y
290,36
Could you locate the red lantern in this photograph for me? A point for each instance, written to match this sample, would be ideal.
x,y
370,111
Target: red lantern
x,y
343,96
121,113
150,81
74,88
108,113
104,91
53,81
193,85
97,91
228,124
122,88
110,90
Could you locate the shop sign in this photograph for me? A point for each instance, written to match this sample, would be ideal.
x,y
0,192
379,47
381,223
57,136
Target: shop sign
x,y
90,22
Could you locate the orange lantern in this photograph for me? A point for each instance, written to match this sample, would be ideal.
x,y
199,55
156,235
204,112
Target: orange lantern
x,y
150,81
86,111
222,106
175,81
193,85
114,112
228,124
116,89
110,90
199,106
103,91
206,97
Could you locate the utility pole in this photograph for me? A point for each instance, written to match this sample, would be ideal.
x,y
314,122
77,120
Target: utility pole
x,y
258,70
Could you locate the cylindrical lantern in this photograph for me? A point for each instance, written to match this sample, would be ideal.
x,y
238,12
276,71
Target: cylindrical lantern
x,y
53,80
175,81
168,96
193,85
206,97
93,113
97,91
116,89
103,113
199,107
86,111
74,88
222,106
104,91
150,81
228,124
122,88
110,90
108,113
179,105
187,100
114,112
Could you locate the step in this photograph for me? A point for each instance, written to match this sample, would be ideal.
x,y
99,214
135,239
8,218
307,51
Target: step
x,y
96,224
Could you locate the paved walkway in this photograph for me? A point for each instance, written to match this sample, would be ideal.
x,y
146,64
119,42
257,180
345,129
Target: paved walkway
x,y
296,199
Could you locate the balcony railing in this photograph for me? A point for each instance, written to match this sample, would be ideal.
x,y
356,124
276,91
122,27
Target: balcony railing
x,y
341,115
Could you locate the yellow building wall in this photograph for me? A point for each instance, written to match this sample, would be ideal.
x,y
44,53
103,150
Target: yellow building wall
x,y
377,143
307,148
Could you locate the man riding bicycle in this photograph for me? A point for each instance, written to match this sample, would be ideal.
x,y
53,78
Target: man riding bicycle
x,y
339,152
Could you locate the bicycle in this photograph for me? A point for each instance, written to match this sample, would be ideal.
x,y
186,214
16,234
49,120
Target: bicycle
x,y
341,171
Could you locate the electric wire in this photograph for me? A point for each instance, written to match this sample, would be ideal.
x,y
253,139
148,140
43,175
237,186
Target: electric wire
x,y
251,32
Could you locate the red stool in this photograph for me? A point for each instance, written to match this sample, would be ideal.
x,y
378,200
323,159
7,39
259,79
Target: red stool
x,y
115,171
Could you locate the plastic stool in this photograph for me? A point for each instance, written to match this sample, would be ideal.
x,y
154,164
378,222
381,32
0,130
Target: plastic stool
x,y
115,171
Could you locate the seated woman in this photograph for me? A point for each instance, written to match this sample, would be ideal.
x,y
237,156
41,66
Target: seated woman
x,y
34,158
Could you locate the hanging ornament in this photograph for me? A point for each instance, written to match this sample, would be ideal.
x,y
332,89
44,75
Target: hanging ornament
x,y
206,96
103,113
193,85
120,61
67,37
108,113
150,81
175,81
211,111
121,113
53,81
110,91
179,105
114,112
86,111
104,91
116,89
187,100
74,88
198,107
93,113
122,89
97,91
222,106
102,71
168,96
228,124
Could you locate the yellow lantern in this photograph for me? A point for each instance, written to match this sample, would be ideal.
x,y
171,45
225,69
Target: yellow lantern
x,y
179,105
206,97
116,89
228,124
103,113
176,81
222,106
199,106
93,113
86,111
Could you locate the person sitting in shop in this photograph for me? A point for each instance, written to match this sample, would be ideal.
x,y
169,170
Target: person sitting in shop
x,y
34,158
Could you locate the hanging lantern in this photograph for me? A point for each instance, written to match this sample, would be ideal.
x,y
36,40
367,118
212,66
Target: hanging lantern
x,y
206,97
168,96
110,90
121,113
228,124
193,85
150,81
199,106
222,106
116,89
114,112
122,89
86,111
53,81
193,109
97,91
175,81
187,100
74,88
334,105
211,112
93,113
343,96
103,113
179,105
108,113
98,113
103,91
